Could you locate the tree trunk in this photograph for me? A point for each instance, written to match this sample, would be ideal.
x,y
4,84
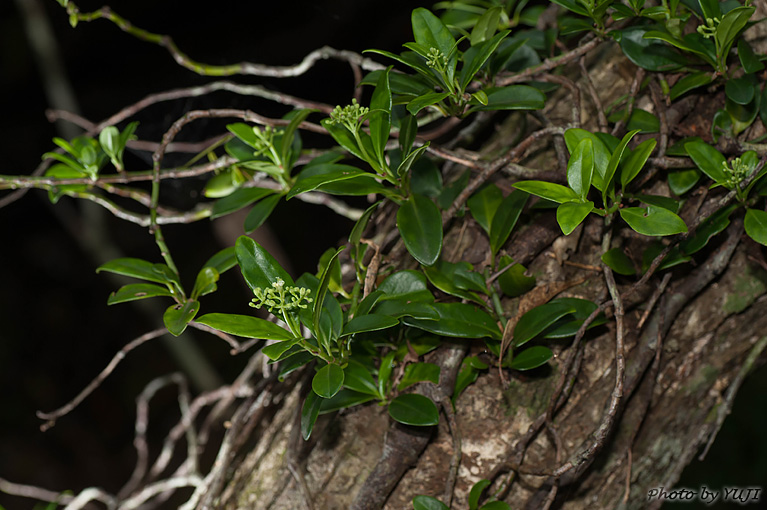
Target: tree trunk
x,y
685,355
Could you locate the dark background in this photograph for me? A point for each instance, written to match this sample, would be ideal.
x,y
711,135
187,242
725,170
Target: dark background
x,y
56,332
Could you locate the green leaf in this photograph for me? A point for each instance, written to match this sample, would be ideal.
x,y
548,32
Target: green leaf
x,y
485,26
421,102
408,128
732,23
136,291
708,228
63,172
244,132
380,115
205,283
740,90
682,181
369,322
649,54
574,6
618,261
688,83
483,205
286,145
245,326
708,159
309,413
399,308
756,225
222,261
411,158
322,290
328,381
137,268
496,505
292,363
476,493
748,59
660,201
571,214
653,221
569,325
615,159
420,224
359,227
445,276
548,190
530,358
512,97
574,136
260,213
316,175
643,121
343,137
384,372
458,320
580,168
258,267
358,378
513,281
343,400
476,56
710,8
505,219
538,319
418,372
177,316
407,285
430,32
277,352
428,503
414,409
634,163
692,43
468,375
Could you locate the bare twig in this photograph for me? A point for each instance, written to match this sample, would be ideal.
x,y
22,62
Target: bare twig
x,y
455,459
633,91
549,64
593,94
32,492
52,416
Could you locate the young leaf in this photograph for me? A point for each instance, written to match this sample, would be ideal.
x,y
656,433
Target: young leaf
x,y
573,137
653,221
205,283
430,32
571,214
421,102
136,268
177,316
420,224
328,380
245,326
309,413
618,261
476,493
531,358
414,409
505,218
136,291
580,168
615,159
428,503
357,377
538,319
384,372
636,161
732,23
682,181
286,145
279,351
756,225
418,372
513,281
548,190
708,159
260,213
322,290
483,205
476,56
380,115
257,265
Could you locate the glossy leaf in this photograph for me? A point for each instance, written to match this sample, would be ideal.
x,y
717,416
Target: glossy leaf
x,y
512,97
531,358
205,283
292,363
343,137
359,227
419,372
369,322
548,190
430,32
534,322
496,505
756,225
708,228
740,90
328,380
309,412
682,181
321,296
643,121
420,224
748,59
692,43
615,159
476,56
476,493
505,219
571,214
421,102
485,26
245,326
483,205
569,325
414,409
408,285
408,128
649,54
411,158
602,153
380,115
634,163
653,221
257,265
580,168
690,82
708,159
136,291
137,268
399,308
445,275
513,281
458,320
222,261
315,176
260,213
732,23
428,503
177,316
467,375
618,261
287,155
384,372
281,350
358,378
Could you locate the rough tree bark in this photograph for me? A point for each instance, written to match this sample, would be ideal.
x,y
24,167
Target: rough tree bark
x,y
684,354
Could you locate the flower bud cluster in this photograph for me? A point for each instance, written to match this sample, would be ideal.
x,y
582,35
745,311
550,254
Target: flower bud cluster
x,y
278,298
349,116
